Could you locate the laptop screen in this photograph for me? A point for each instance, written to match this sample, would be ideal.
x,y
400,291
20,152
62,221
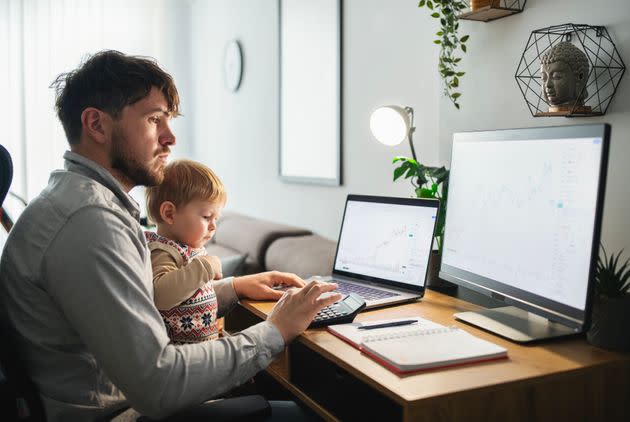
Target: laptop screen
x,y
386,239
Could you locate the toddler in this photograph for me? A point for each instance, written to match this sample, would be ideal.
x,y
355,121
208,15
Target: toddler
x,y
185,207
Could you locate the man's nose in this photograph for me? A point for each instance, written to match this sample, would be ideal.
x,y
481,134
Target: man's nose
x,y
167,137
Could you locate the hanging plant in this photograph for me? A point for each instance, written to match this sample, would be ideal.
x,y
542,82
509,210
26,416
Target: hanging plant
x,y
446,11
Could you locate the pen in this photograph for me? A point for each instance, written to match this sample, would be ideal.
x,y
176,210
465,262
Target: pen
x,y
389,324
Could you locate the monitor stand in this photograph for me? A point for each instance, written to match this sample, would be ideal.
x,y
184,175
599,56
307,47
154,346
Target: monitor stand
x,y
515,324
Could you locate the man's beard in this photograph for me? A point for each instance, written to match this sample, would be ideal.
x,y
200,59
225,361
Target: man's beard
x,y
124,161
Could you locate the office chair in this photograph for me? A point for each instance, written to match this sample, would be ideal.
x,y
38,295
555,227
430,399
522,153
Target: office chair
x,y
6,176
18,396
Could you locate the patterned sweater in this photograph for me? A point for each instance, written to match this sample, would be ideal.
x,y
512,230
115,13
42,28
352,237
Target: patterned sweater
x,y
183,290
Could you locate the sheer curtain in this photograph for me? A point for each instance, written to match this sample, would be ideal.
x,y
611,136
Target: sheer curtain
x,y
40,39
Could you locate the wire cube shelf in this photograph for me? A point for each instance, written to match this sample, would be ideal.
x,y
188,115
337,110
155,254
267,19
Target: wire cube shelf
x,y
605,71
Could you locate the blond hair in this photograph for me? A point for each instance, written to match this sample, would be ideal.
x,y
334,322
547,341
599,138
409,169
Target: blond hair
x,y
184,181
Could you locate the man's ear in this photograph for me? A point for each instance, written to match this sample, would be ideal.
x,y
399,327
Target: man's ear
x,y
167,212
97,125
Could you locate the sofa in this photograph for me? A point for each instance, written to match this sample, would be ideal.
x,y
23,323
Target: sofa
x,y
249,245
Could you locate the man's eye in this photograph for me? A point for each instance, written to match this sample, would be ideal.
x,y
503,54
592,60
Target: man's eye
x,y
154,120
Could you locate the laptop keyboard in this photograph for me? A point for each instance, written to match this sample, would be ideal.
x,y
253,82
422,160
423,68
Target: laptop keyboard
x,y
367,293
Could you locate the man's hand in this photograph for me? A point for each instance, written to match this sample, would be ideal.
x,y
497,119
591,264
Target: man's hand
x,y
297,307
215,263
260,286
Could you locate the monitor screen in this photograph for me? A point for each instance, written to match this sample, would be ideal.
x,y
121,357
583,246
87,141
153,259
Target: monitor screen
x,y
386,239
523,216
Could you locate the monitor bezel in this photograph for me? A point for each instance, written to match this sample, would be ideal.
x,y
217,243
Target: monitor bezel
x,y
417,202
554,311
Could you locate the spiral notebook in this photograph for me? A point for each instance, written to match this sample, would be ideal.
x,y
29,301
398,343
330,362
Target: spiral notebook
x,y
420,346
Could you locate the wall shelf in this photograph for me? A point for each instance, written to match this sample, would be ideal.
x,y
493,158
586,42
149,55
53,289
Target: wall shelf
x,y
496,10
605,69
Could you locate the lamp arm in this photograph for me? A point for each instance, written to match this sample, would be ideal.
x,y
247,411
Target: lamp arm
x,y
412,129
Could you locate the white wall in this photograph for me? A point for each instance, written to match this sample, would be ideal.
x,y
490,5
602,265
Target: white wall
x,y
491,97
385,62
388,58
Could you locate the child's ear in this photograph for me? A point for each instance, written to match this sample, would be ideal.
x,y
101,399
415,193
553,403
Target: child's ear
x,y
167,211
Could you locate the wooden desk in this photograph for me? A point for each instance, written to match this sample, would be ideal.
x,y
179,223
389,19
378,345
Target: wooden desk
x,y
564,379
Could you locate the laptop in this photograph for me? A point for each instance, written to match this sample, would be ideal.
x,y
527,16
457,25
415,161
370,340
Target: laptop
x,y
384,248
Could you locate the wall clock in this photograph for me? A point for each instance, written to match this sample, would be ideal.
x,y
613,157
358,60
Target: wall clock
x,y
233,65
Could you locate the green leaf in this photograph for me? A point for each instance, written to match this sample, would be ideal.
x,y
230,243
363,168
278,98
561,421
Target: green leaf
x,y
439,33
435,15
437,42
455,83
456,95
430,4
464,38
399,172
460,74
410,172
422,2
456,106
425,193
464,47
457,60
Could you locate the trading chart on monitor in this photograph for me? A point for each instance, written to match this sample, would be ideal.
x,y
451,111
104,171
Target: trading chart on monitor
x,y
387,241
522,213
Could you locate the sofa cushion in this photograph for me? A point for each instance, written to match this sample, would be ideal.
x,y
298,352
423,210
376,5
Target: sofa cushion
x,y
232,261
233,265
251,236
303,255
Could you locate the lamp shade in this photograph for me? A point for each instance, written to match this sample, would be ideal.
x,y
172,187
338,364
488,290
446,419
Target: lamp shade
x,y
390,124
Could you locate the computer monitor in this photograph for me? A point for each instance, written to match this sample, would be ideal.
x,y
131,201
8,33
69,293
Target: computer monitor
x,y
523,225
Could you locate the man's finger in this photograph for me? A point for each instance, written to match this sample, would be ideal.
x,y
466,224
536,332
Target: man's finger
x,y
291,280
318,288
274,294
310,286
328,300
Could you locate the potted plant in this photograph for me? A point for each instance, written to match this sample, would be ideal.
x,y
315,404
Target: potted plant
x,y
449,41
610,321
428,182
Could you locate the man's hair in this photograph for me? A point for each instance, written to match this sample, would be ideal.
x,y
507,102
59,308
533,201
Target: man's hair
x,y
109,81
184,181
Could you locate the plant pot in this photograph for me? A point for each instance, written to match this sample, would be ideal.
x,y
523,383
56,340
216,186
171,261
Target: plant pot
x,y
433,279
478,4
610,323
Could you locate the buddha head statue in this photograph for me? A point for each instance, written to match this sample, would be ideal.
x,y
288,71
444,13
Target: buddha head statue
x,y
564,69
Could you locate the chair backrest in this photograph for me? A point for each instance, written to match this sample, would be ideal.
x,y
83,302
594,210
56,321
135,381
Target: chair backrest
x,y
6,176
6,173
19,399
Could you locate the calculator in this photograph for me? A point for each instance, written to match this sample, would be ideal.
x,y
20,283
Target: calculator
x,y
339,312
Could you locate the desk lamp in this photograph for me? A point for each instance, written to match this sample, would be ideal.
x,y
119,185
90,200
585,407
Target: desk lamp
x,y
390,125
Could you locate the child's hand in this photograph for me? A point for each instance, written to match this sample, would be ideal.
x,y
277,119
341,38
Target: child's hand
x,y
215,263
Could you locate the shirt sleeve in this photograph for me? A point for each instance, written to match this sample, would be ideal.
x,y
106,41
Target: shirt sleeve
x,y
226,295
99,275
172,284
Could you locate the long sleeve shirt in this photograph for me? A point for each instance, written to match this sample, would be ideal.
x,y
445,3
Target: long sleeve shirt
x,y
76,286
175,277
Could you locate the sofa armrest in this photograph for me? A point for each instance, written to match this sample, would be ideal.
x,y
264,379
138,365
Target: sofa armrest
x,y
252,236
303,255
